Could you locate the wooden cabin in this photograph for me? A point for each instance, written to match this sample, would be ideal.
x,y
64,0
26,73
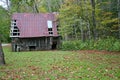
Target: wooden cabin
x,y
31,31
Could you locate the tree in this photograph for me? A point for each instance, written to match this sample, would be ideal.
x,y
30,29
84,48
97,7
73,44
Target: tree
x,y
75,19
2,60
119,18
107,18
4,25
3,33
94,19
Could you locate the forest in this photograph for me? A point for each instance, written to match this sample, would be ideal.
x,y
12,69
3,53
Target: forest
x,y
83,24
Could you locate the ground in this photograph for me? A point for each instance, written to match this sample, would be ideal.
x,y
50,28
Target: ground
x,y
61,65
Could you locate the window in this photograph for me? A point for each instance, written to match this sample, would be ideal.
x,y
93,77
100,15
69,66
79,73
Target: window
x,y
50,33
49,29
49,24
57,28
14,24
14,32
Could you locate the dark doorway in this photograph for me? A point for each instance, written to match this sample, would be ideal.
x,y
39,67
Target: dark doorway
x,y
54,45
32,48
15,48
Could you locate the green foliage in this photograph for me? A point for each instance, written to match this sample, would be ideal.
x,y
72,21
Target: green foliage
x,y
4,25
109,44
107,17
60,65
74,15
116,46
42,6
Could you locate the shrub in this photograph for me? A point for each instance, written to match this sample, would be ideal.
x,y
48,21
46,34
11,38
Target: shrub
x,y
109,44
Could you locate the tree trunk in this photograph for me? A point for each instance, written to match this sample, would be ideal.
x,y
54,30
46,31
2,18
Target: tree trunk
x,y
49,5
35,7
119,18
61,2
8,4
89,35
93,19
82,33
2,60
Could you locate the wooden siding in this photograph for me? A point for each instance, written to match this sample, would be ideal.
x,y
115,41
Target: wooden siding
x,y
29,44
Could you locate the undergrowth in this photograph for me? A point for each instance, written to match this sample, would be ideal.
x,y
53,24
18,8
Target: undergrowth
x,y
110,44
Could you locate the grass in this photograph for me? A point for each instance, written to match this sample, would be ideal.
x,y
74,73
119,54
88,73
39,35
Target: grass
x,y
60,65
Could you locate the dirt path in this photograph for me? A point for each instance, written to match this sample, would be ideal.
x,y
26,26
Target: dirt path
x,y
5,44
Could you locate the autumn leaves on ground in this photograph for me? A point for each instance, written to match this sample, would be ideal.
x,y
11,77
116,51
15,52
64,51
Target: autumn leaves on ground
x,y
60,65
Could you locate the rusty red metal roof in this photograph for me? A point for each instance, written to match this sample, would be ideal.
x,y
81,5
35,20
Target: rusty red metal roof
x,y
35,25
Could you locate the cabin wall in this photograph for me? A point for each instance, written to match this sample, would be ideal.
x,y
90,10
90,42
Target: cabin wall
x,y
31,44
